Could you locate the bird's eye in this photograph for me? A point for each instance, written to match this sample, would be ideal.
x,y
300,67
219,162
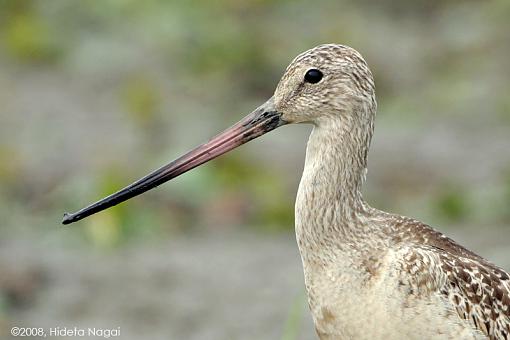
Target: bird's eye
x,y
313,76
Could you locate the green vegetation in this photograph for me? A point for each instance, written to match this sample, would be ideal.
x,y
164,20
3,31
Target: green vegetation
x,y
451,204
144,81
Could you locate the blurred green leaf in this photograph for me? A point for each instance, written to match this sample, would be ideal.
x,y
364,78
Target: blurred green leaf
x,y
28,38
295,315
141,98
104,229
274,208
10,164
452,204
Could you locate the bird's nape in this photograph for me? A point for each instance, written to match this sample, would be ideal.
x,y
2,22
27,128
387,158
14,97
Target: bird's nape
x,y
262,120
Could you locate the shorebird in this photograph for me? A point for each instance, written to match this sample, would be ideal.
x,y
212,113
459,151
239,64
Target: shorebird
x,y
368,274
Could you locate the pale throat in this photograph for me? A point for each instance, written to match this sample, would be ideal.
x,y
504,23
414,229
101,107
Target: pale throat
x,y
336,161
329,194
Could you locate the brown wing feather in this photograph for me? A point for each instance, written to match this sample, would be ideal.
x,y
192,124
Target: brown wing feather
x,y
478,290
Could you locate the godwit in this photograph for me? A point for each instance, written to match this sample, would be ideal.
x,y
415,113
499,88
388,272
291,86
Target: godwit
x,y
368,274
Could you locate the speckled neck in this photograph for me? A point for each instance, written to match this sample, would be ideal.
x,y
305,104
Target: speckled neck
x,y
329,204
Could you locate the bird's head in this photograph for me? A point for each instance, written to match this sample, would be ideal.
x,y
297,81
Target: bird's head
x,y
327,81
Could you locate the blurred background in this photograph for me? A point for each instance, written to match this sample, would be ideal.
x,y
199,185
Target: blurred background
x,y
94,94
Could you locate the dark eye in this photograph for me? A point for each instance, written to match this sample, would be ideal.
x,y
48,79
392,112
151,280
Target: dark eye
x,y
313,76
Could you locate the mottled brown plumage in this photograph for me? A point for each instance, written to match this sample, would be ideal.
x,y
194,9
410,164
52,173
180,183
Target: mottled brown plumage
x,y
478,290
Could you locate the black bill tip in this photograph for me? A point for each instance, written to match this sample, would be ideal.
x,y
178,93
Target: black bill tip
x,y
69,218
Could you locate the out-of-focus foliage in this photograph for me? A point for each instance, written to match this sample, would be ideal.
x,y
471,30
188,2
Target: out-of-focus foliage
x,y
29,38
127,85
451,204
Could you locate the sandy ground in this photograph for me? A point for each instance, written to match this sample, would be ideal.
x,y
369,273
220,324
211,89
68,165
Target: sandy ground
x,y
214,286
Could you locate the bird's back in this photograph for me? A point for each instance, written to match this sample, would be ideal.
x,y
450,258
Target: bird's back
x,y
422,286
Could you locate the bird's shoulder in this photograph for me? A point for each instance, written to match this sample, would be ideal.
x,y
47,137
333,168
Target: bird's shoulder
x,y
477,290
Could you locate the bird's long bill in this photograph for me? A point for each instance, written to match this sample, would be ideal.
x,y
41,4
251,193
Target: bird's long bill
x,y
264,119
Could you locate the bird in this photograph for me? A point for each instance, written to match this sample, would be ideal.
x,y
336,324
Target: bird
x,y
368,274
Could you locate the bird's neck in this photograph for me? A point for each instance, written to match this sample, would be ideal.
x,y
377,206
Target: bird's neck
x,y
329,201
